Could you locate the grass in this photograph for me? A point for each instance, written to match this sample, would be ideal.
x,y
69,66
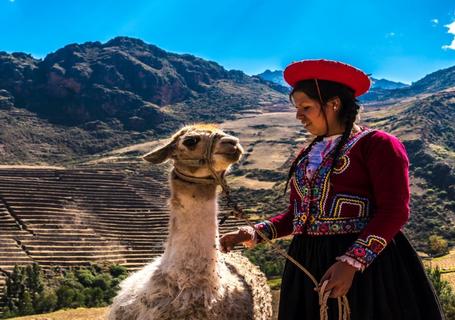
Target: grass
x,y
442,152
100,313
71,314
274,284
447,266
446,262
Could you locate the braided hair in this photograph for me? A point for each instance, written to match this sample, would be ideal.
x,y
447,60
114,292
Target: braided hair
x,y
347,115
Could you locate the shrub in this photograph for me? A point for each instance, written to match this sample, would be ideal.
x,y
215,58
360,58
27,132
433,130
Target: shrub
x,y
27,292
444,292
437,245
47,301
68,297
269,261
117,271
85,277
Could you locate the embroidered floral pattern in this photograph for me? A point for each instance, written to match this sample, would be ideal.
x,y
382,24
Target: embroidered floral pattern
x,y
299,219
329,227
365,251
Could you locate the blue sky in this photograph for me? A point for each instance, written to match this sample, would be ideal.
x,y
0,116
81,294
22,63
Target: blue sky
x,y
398,40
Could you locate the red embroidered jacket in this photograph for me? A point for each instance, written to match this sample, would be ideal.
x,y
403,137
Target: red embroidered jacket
x,y
367,193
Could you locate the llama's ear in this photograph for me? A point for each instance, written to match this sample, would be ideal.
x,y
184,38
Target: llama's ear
x,y
160,154
163,153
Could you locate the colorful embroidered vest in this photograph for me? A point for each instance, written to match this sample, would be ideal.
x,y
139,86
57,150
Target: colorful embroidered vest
x,y
313,214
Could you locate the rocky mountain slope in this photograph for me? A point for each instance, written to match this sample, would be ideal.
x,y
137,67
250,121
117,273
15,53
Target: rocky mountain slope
x,y
91,97
440,80
426,127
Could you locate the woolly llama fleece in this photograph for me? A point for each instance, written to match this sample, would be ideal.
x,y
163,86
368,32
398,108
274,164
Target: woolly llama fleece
x,y
192,279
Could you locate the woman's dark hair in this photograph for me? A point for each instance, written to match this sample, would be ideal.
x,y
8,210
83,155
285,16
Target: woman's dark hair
x,y
347,114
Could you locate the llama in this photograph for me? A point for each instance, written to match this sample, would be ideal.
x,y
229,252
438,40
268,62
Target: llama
x,y
192,279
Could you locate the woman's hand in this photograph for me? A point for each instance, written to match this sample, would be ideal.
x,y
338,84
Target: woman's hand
x,y
243,235
340,276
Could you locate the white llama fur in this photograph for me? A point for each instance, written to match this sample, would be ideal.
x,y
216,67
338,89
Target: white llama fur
x,y
192,279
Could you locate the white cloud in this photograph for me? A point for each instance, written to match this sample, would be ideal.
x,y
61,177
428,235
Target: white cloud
x,y
434,22
451,28
449,46
451,31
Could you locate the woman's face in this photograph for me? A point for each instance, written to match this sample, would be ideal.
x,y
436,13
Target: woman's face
x,y
310,114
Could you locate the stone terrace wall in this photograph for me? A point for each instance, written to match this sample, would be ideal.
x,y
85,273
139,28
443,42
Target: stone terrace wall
x,y
74,217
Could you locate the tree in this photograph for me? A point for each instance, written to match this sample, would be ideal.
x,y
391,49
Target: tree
x,y
444,291
15,289
25,305
34,281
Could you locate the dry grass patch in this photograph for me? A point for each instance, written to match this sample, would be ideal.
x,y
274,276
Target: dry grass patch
x,y
446,262
272,126
24,166
263,135
442,152
72,314
450,278
269,156
253,184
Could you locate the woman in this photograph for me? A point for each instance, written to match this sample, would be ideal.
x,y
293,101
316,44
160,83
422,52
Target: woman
x,y
349,199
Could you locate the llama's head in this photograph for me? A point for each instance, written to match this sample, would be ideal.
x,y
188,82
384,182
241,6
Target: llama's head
x,y
189,147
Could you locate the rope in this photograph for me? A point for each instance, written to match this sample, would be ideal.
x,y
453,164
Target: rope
x,y
343,303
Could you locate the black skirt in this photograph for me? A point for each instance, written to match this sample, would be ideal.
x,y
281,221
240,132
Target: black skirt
x,y
394,287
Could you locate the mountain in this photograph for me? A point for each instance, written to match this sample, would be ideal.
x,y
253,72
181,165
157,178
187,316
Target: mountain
x,y
116,93
443,79
386,84
436,81
273,76
123,78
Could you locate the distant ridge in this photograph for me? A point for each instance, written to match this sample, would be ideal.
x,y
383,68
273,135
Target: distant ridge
x,y
387,84
383,89
436,81
274,76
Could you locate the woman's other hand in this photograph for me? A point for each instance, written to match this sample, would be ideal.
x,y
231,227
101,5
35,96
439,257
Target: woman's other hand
x,y
245,235
340,276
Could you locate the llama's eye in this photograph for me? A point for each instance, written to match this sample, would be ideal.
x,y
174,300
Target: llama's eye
x,y
191,141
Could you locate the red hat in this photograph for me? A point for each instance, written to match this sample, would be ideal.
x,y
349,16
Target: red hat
x,y
335,71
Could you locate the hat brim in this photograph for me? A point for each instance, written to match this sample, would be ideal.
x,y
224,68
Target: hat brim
x,y
329,70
